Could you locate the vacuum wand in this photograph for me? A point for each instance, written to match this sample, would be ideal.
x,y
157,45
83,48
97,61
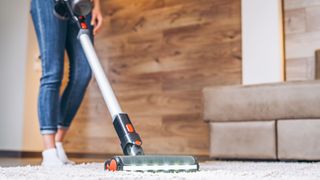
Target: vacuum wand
x,y
130,140
102,80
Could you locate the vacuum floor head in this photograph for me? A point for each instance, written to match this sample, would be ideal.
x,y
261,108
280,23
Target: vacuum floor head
x,y
153,163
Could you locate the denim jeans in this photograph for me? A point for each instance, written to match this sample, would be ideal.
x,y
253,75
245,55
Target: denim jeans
x,y
54,37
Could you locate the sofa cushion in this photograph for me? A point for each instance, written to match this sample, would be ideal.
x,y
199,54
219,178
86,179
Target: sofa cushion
x,y
299,139
262,102
243,140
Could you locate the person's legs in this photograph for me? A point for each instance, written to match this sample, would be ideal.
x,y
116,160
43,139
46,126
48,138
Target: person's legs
x,y
51,34
61,133
48,141
79,78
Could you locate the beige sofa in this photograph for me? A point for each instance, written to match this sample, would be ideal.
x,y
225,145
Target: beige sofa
x,y
270,121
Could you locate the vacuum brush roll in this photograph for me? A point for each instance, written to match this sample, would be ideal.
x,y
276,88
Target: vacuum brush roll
x,y
153,163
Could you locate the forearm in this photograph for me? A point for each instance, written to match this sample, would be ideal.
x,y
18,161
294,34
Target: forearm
x,y
96,3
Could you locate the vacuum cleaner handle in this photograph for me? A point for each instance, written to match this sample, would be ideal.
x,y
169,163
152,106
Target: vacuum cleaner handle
x,y
103,82
130,139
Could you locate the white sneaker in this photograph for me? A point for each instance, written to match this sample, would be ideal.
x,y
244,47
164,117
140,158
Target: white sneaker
x,y
50,158
62,154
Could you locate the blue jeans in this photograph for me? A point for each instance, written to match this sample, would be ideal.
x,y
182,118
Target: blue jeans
x,y
54,37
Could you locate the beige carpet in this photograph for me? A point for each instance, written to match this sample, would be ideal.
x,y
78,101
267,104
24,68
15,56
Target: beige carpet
x,y
215,170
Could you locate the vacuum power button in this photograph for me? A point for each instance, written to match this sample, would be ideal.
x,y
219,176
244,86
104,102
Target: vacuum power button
x,y
130,128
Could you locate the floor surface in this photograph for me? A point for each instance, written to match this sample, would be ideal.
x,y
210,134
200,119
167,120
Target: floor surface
x,y
18,169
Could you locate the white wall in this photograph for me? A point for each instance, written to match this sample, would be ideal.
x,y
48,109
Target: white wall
x,y
31,134
14,24
262,41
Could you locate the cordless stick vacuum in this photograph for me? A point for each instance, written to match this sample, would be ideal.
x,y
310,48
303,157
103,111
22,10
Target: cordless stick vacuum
x,y
134,158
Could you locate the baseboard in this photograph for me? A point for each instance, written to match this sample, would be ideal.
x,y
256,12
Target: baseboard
x,y
37,154
6,153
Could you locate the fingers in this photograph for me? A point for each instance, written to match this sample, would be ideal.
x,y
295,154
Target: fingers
x,y
98,24
93,19
96,21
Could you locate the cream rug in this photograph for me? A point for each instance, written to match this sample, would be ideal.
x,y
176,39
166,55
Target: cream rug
x,y
215,170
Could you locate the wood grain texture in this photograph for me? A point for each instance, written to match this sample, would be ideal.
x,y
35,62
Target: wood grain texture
x,y
313,21
159,55
302,38
295,21
295,4
302,45
300,69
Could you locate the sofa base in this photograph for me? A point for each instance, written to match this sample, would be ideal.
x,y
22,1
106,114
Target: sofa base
x,y
299,139
243,140
266,140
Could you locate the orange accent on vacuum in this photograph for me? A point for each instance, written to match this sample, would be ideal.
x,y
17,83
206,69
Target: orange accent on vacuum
x,y
84,25
130,128
113,165
138,143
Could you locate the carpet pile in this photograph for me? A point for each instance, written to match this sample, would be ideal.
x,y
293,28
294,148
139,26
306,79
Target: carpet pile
x,y
209,170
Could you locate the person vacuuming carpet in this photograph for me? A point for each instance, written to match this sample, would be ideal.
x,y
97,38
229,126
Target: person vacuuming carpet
x,y
61,110
55,111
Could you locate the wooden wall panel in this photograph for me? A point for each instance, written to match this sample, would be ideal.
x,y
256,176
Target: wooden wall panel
x,y
302,26
159,54
295,4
